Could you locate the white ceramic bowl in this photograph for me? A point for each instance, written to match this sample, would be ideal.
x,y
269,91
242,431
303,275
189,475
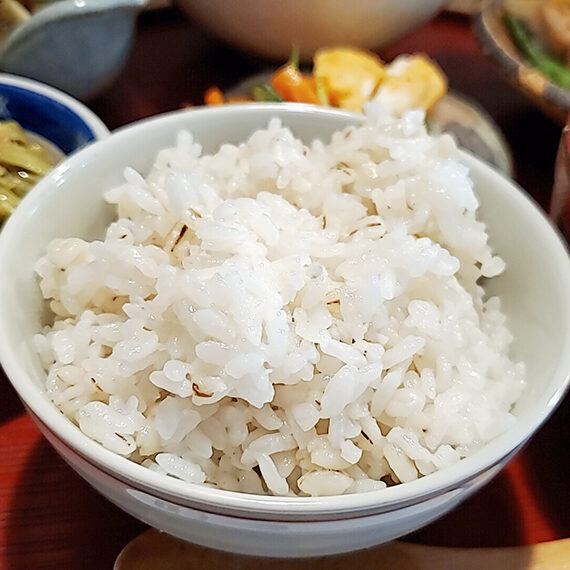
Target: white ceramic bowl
x,y
271,29
69,202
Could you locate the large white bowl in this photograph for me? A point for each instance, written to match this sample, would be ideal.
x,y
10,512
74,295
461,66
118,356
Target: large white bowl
x,y
271,28
535,289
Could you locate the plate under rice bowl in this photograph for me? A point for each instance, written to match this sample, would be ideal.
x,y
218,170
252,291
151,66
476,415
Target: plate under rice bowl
x,y
286,318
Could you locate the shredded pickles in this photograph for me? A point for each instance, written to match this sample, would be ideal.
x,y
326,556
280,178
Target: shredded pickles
x,y
23,161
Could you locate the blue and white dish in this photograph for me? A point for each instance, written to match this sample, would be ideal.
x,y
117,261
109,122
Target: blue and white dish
x,y
49,113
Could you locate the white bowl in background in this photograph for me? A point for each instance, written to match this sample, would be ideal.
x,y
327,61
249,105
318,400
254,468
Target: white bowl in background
x,y
69,202
271,29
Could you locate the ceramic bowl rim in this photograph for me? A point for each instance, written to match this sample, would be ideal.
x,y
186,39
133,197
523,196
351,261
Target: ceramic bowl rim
x,y
95,125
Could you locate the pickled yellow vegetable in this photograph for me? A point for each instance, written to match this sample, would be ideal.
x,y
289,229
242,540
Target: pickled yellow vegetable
x,y
23,162
348,75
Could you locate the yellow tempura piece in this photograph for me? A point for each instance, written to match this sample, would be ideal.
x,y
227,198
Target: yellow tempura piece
x,y
411,82
348,75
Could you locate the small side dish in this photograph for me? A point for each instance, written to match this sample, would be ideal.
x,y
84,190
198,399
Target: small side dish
x,y
39,127
347,78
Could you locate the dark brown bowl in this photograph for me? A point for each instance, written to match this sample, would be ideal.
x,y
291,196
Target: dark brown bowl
x,y
560,201
490,30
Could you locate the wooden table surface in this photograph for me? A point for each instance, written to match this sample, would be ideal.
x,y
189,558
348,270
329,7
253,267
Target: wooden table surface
x,y
50,518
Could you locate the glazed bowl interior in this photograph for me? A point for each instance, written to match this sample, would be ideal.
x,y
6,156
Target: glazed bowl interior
x,y
49,113
68,202
79,47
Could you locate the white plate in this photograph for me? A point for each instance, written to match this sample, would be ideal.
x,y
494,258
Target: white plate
x,y
470,124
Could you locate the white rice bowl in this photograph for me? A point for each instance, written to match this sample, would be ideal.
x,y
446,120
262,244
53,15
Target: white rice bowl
x,y
286,318
70,203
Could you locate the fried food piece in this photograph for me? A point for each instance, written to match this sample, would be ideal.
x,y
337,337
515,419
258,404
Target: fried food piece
x,y
411,82
349,76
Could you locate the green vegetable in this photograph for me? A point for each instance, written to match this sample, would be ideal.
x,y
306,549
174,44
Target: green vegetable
x,y
531,48
265,92
322,93
294,57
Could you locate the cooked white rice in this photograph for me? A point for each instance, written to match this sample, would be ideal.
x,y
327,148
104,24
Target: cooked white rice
x,y
286,319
